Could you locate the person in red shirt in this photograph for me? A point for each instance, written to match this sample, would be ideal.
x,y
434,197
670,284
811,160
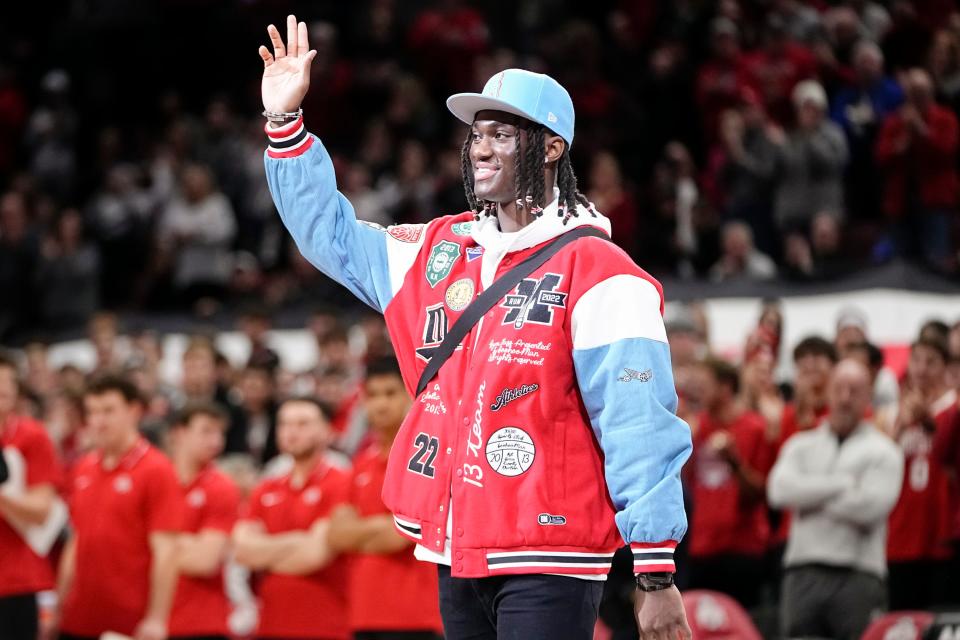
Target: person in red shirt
x,y
212,500
32,467
283,533
365,528
730,463
916,151
920,524
118,571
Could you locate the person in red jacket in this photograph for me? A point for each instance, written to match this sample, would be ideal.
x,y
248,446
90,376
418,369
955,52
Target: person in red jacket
x,y
118,571
730,463
283,533
916,151
36,474
919,528
365,528
200,608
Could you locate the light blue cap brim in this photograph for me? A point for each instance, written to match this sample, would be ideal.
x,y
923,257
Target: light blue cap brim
x,y
465,106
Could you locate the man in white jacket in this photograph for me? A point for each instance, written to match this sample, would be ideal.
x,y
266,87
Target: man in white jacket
x,y
841,480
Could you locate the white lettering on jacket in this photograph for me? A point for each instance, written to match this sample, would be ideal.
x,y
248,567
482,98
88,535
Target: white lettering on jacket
x,y
472,473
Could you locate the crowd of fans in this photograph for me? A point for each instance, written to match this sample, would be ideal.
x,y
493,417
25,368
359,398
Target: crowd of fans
x,y
800,139
846,471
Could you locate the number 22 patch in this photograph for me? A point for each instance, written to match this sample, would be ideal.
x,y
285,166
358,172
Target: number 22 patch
x,y
423,457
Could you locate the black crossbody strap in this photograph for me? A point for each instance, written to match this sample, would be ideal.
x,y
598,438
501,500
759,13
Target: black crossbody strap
x,y
500,287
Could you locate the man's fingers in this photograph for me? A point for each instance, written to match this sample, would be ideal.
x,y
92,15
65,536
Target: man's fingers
x,y
303,41
307,60
265,54
292,36
278,49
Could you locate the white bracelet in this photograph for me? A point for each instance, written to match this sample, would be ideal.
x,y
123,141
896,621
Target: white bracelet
x,y
279,116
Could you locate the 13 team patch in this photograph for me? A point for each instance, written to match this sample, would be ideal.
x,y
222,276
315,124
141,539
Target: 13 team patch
x,y
459,294
534,301
510,451
442,257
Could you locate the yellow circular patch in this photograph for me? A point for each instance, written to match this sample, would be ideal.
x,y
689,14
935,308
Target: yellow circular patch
x,y
459,294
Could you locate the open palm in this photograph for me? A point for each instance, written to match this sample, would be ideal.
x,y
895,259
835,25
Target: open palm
x,y
286,72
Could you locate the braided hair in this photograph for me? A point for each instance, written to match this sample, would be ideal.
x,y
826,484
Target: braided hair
x,y
530,191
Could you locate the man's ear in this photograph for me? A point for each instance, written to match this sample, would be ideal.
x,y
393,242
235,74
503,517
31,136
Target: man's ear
x,y
554,148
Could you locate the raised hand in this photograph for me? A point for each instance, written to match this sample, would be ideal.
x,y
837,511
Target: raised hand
x,y
286,72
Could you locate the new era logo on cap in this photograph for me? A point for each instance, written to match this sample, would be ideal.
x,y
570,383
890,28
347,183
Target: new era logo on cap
x,y
534,96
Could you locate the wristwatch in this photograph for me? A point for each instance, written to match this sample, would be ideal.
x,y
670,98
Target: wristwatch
x,y
657,581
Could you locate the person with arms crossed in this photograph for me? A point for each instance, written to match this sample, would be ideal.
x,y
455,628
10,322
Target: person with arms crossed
x,y
840,480
408,609
211,503
283,533
549,438
118,571
23,572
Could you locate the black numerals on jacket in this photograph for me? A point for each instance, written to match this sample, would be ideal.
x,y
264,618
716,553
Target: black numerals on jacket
x,y
427,447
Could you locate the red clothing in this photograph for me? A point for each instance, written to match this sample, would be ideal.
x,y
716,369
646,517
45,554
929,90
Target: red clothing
x,y
21,569
114,511
946,450
211,502
720,86
790,426
774,76
410,604
724,520
930,161
920,524
308,606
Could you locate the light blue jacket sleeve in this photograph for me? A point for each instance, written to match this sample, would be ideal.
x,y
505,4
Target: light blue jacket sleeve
x,y
324,226
623,369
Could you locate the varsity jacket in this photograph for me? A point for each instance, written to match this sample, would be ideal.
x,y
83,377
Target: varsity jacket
x,y
551,432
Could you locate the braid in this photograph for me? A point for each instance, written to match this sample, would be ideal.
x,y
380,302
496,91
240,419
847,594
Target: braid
x,y
523,179
466,170
570,196
532,169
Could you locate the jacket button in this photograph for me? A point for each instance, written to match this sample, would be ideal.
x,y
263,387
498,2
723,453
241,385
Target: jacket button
x,y
441,507
459,531
459,473
459,566
438,544
466,421
439,530
449,450
459,555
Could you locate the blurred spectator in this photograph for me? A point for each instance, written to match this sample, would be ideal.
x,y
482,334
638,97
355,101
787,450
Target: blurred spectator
x,y
811,163
407,193
19,254
283,533
13,114
841,480
126,509
776,68
258,402
823,257
195,232
199,384
916,151
365,528
446,40
740,259
111,348
211,502
851,337
728,530
813,358
721,80
120,217
68,274
255,323
28,489
860,108
743,166
610,195
944,66
921,524
51,135
908,39
874,18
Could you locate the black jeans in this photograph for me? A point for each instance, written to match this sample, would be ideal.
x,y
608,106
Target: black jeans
x,y
524,607
818,601
18,616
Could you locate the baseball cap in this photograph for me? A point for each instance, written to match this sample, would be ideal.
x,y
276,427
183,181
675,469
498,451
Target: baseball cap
x,y
534,96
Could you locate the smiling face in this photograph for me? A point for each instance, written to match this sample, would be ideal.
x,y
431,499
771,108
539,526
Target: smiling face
x,y
493,155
